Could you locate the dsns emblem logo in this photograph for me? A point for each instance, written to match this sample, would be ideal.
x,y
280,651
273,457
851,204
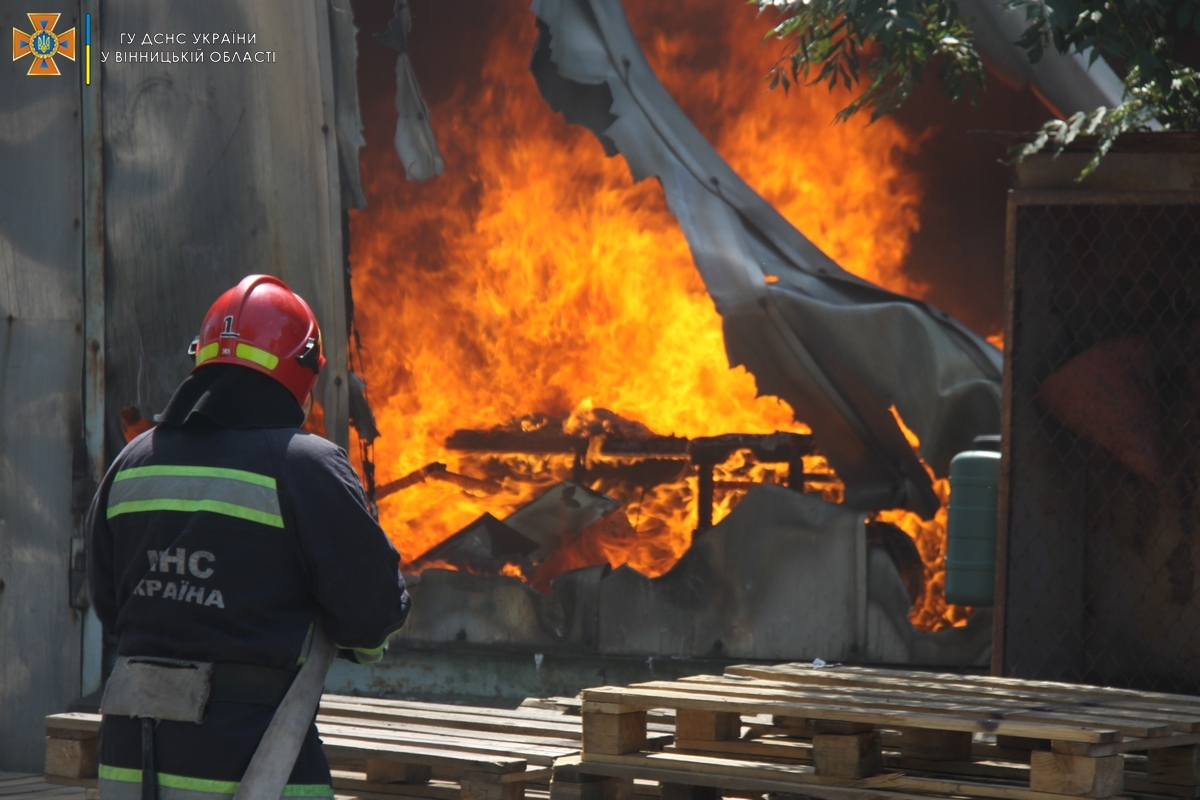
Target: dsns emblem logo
x,y
43,44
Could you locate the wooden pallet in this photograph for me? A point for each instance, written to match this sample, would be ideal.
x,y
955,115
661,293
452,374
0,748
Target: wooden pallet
x,y
380,749
846,732
19,786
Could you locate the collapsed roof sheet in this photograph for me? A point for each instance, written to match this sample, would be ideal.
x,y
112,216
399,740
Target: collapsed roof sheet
x,y
840,350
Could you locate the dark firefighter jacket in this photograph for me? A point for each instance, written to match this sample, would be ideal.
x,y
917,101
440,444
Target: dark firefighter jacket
x,y
220,536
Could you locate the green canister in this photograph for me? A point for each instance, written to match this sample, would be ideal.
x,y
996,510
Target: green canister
x,y
971,528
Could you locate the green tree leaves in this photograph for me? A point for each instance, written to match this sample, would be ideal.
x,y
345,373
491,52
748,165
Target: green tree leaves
x,y
885,46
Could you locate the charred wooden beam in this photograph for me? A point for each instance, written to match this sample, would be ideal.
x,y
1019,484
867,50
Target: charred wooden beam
x,y
411,479
466,481
534,443
437,471
705,452
656,447
768,448
734,486
518,442
709,451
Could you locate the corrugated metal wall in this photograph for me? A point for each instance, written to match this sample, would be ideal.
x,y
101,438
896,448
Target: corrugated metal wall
x,y
41,361
211,171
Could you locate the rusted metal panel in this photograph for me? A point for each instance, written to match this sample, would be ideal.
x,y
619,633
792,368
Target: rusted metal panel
x,y
214,171
41,354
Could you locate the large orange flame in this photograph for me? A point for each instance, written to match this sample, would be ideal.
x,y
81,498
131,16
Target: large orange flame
x,y
931,611
534,277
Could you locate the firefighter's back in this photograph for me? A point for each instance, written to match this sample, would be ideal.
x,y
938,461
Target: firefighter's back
x,y
206,569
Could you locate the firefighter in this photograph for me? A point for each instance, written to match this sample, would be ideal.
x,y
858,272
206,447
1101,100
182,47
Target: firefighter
x,y
215,542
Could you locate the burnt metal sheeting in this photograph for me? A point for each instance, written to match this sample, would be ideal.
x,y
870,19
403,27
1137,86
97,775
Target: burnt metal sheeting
x,y
784,576
838,349
458,608
414,142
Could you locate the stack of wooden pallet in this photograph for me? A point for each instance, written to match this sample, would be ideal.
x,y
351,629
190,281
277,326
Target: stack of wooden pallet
x,y
854,732
19,786
382,749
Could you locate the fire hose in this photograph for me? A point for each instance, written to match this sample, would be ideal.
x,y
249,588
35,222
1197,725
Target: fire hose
x,y
272,763
169,689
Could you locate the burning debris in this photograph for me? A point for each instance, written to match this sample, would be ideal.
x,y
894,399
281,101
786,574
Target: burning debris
x,y
534,276
571,525
784,574
554,284
566,528
837,347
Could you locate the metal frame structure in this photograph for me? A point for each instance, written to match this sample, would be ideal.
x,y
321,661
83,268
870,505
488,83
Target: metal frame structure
x,y
1135,179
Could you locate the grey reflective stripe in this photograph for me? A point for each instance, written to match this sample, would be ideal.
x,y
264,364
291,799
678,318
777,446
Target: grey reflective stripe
x,y
236,497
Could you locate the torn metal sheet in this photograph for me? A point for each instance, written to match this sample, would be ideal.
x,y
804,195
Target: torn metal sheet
x,y
482,548
415,143
840,350
559,516
785,576
468,610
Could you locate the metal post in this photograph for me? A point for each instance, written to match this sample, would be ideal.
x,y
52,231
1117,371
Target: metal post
x,y
93,294
1000,595
795,476
579,467
704,495
336,399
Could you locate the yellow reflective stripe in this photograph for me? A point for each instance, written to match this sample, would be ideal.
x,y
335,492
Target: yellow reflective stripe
x,y
179,470
208,351
195,784
203,785
304,647
308,790
366,655
248,352
121,774
213,506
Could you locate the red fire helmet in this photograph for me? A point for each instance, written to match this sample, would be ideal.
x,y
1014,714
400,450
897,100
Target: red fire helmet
x,y
263,325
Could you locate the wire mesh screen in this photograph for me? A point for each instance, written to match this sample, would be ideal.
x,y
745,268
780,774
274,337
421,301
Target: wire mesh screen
x,y
1104,446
